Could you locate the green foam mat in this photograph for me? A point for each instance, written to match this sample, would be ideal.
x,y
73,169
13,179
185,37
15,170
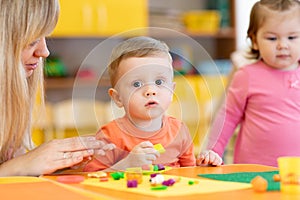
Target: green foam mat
x,y
246,177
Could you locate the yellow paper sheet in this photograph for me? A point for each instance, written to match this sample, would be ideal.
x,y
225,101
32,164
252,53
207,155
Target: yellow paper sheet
x,y
180,188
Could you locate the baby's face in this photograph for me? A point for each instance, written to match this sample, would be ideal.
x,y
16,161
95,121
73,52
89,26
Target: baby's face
x,y
278,39
145,86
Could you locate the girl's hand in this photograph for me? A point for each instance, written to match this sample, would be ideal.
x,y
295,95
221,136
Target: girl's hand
x,y
209,158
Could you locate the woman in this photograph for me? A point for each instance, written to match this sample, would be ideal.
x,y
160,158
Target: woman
x,y
24,26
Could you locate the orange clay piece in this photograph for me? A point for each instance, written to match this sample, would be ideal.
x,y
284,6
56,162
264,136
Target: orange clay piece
x,y
177,179
276,177
259,184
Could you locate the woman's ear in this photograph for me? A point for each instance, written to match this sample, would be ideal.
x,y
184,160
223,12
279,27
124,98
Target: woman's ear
x,y
114,95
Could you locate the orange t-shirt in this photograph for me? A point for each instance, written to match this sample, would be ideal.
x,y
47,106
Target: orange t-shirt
x,y
174,137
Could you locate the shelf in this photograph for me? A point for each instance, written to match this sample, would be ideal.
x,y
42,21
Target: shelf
x,y
80,40
228,33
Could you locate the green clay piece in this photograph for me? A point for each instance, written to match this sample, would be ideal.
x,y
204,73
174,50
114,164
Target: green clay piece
x,y
117,175
191,182
155,168
161,187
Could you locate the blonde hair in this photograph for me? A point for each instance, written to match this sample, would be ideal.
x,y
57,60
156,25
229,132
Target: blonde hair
x,y
21,22
134,47
260,11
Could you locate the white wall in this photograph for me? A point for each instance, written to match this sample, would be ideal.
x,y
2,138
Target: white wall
x,y
242,9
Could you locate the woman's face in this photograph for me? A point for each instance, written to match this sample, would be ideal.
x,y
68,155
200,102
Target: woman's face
x,y
32,54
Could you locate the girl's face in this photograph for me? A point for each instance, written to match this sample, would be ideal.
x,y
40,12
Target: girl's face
x,y
145,87
32,54
278,40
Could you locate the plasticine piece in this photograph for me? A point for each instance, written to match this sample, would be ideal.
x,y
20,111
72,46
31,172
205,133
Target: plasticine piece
x,y
134,173
70,179
151,167
169,182
159,148
97,174
276,178
103,179
147,167
259,184
161,187
155,168
156,179
160,167
117,175
177,179
191,182
132,183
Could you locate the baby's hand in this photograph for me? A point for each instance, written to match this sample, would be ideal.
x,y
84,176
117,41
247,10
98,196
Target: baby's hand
x,y
142,154
209,157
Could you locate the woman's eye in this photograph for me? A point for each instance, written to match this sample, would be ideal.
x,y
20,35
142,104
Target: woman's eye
x,y
137,84
34,42
159,82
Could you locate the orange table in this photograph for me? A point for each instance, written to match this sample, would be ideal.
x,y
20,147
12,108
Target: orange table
x,y
192,172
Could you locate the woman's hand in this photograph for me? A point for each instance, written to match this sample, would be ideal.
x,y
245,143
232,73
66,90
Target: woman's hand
x,y
209,158
54,155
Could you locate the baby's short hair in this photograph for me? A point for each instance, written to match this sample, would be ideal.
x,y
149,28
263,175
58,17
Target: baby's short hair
x,y
140,46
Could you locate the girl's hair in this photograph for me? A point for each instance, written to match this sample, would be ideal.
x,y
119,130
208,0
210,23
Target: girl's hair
x,y
260,11
21,23
134,47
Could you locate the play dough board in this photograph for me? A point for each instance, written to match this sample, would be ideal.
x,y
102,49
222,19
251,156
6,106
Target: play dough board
x,y
180,188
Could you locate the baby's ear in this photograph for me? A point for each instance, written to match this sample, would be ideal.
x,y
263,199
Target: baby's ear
x,y
173,90
254,43
114,95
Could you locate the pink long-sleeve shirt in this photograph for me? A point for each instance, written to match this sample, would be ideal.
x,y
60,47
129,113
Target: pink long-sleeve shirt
x,y
266,104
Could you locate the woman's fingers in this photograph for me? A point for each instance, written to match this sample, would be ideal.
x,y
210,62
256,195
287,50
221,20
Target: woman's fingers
x,y
78,143
73,154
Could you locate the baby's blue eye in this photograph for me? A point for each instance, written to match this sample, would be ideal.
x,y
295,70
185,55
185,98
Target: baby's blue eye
x,y
137,84
159,82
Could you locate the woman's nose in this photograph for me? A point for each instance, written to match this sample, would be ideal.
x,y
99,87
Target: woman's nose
x,y
42,49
